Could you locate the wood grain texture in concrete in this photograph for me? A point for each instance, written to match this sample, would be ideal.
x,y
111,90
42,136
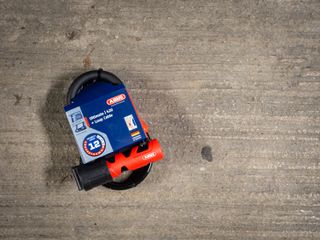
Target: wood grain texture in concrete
x,y
230,88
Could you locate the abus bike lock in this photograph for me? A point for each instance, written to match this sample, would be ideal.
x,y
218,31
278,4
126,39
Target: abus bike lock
x,y
111,137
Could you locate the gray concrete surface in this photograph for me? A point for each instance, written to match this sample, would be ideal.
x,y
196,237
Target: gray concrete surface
x,y
231,90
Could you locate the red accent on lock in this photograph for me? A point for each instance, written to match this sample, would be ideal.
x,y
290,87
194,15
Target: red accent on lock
x,y
138,157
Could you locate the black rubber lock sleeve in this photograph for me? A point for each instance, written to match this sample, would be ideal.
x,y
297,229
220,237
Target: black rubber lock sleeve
x,y
92,174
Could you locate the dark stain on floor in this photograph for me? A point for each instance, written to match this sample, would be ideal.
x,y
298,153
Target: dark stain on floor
x,y
206,153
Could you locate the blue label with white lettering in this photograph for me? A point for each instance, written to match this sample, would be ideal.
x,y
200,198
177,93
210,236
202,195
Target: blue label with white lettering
x,y
105,124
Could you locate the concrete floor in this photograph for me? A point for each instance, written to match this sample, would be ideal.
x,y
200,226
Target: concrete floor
x,y
231,90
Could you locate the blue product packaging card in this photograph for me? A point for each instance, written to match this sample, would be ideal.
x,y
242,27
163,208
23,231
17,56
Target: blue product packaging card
x,y
103,121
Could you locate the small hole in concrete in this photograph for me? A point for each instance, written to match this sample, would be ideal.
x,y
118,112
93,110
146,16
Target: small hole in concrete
x,y
206,153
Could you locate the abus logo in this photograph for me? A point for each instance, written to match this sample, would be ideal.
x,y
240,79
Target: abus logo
x,y
149,155
116,99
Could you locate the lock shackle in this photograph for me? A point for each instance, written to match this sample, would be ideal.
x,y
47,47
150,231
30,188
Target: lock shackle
x,y
90,77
